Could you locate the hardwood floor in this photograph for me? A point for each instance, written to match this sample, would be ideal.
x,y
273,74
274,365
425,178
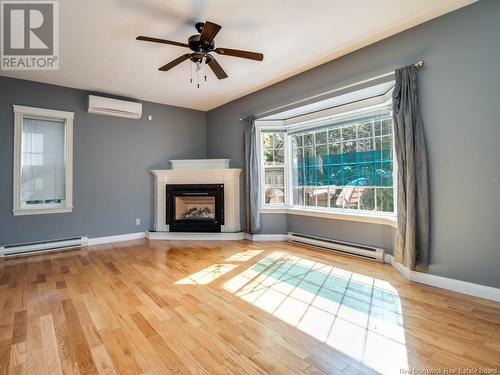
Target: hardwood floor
x,y
231,307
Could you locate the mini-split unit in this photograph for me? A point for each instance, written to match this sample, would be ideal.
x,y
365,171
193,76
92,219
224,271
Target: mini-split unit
x,y
114,107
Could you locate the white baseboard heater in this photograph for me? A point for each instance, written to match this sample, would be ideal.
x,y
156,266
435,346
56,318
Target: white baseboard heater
x,y
363,251
42,246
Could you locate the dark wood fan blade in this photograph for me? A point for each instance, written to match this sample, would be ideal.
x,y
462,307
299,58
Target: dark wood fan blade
x,y
217,69
209,32
239,53
163,41
175,62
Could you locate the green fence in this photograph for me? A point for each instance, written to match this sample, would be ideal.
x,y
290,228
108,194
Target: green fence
x,y
366,168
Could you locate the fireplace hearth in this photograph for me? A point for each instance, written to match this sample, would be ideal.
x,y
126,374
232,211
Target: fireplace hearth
x,y
194,208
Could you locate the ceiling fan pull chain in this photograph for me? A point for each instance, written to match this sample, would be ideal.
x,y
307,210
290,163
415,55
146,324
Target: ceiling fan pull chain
x,y
205,68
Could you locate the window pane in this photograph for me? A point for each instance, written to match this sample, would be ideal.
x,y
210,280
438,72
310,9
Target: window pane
x,y
353,170
335,148
321,138
268,156
367,201
321,194
308,139
335,197
365,129
321,151
275,185
273,152
279,156
387,143
385,199
334,135
298,195
277,140
377,127
308,152
310,198
297,140
43,174
349,132
267,141
365,144
386,126
349,146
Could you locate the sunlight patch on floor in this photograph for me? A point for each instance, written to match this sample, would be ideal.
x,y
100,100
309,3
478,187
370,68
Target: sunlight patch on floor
x,y
207,275
356,314
243,256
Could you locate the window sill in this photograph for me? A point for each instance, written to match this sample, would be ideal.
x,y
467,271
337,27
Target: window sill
x,y
41,211
389,220
274,210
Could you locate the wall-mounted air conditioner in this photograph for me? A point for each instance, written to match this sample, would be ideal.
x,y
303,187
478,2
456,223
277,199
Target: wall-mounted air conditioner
x,y
114,107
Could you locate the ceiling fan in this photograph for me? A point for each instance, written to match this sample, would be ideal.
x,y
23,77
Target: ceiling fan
x,y
202,45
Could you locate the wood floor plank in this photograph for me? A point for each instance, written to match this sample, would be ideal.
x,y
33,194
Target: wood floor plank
x,y
238,307
51,361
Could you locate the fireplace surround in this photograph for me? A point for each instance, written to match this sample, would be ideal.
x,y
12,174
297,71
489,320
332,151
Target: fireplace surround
x,y
198,172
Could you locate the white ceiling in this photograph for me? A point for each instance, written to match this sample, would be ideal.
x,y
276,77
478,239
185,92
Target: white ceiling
x,y
98,50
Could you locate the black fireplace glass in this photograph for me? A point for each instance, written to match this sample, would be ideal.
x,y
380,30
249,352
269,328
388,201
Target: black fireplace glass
x,y
195,208
201,207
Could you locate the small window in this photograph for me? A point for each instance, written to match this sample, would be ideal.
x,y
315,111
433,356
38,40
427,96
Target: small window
x,y
273,162
43,159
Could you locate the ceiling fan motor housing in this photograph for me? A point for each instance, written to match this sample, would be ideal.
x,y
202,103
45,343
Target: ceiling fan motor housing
x,y
196,45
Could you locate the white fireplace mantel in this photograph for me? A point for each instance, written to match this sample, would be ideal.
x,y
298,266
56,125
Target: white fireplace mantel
x,y
230,177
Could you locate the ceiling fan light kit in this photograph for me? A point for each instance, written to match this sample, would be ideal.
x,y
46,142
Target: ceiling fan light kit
x,y
203,45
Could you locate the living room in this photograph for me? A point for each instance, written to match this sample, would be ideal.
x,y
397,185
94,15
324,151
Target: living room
x,y
249,187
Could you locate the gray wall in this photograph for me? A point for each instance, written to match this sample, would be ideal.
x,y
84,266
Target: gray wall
x,y
112,157
460,91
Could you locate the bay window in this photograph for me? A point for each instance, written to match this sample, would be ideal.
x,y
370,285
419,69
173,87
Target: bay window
x,y
343,163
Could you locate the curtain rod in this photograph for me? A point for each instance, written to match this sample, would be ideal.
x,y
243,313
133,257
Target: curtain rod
x,y
418,65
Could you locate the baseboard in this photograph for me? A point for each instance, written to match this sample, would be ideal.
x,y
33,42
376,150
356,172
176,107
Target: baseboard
x,y
116,238
187,236
464,287
266,237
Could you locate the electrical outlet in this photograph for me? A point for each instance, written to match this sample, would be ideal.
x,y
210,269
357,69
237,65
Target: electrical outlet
x,y
137,221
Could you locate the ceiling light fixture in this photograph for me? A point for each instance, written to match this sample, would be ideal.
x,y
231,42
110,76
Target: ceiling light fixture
x,y
198,70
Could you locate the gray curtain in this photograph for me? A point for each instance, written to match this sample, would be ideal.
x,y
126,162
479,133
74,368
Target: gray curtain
x,y
412,239
252,195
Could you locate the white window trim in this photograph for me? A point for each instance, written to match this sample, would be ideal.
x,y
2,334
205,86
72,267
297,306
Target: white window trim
x,y
19,113
303,121
262,189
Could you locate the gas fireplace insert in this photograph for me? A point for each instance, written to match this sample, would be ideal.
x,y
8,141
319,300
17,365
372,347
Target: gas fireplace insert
x,y
195,208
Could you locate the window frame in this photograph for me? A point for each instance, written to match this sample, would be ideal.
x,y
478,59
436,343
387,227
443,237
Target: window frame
x,y
304,122
262,171
20,113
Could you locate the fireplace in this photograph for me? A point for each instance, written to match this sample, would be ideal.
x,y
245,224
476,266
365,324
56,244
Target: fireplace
x,y
196,173
194,208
